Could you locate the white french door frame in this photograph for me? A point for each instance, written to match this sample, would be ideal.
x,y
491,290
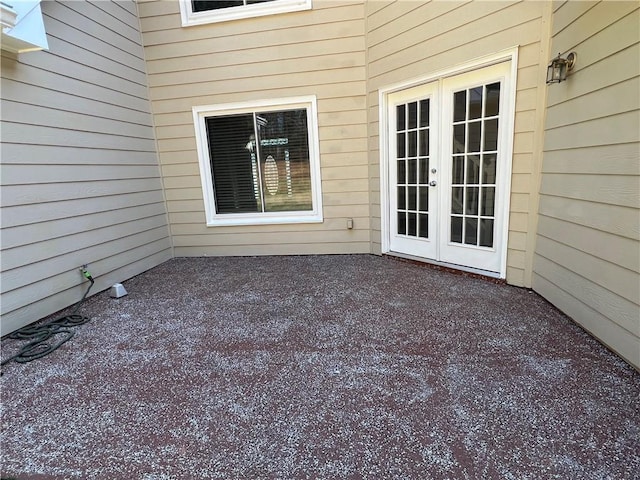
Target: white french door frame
x,y
503,200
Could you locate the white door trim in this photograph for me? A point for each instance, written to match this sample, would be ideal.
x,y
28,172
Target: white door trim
x,y
510,55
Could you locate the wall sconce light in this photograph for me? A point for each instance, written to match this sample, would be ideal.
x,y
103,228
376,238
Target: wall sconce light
x,y
559,67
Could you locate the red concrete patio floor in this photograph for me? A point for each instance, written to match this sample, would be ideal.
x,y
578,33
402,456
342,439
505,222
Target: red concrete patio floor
x,y
323,367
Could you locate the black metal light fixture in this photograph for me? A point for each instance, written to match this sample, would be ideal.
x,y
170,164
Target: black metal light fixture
x,y
559,67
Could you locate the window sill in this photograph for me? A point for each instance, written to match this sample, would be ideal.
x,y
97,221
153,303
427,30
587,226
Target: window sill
x,y
243,219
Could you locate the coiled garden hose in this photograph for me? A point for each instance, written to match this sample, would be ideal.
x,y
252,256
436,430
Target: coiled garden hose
x,y
58,330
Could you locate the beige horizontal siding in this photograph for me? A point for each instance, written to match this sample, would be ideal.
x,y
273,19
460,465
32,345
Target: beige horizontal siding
x,y
80,177
588,247
315,52
408,40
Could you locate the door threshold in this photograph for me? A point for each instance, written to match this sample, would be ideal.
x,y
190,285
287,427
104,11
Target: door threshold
x,y
493,277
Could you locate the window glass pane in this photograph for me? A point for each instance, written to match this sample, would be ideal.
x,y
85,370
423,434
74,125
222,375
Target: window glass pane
x,y
231,150
473,144
205,5
475,102
413,114
459,106
492,100
284,160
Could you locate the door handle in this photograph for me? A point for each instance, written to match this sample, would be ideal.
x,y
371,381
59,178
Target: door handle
x,y
433,183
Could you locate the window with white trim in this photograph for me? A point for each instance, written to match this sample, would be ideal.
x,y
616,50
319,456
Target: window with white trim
x,y
198,12
259,163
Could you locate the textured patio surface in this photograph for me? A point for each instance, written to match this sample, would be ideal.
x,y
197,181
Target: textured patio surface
x,y
320,367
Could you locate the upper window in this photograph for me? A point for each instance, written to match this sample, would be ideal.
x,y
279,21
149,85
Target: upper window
x,y
198,12
259,163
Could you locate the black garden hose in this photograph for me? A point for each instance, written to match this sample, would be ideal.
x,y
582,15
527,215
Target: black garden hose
x,y
58,330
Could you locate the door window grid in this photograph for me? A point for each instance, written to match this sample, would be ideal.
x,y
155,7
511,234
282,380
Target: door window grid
x,y
473,180
412,186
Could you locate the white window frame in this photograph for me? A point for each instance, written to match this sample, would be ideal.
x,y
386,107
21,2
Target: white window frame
x,y
189,17
201,113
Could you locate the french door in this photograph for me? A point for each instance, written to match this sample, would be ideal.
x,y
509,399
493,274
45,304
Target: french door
x,y
448,143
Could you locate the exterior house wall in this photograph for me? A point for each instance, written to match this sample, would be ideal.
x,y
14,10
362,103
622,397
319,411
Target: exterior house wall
x,y
314,52
410,40
80,177
587,256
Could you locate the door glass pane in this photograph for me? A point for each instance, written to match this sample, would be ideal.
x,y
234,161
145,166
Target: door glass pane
x,y
459,106
457,170
402,223
412,224
458,138
423,171
412,144
491,135
424,143
456,229
402,198
423,198
471,201
457,196
486,232
412,171
402,171
471,231
475,102
401,146
473,144
489,169
400,117
424,113
492,100
488,201
473,169
412,198
413,115
423,225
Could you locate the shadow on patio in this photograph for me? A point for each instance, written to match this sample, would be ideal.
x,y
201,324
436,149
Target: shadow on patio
x,y
320,367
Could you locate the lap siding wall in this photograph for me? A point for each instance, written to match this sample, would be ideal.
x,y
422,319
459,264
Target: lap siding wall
x,y
80,177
